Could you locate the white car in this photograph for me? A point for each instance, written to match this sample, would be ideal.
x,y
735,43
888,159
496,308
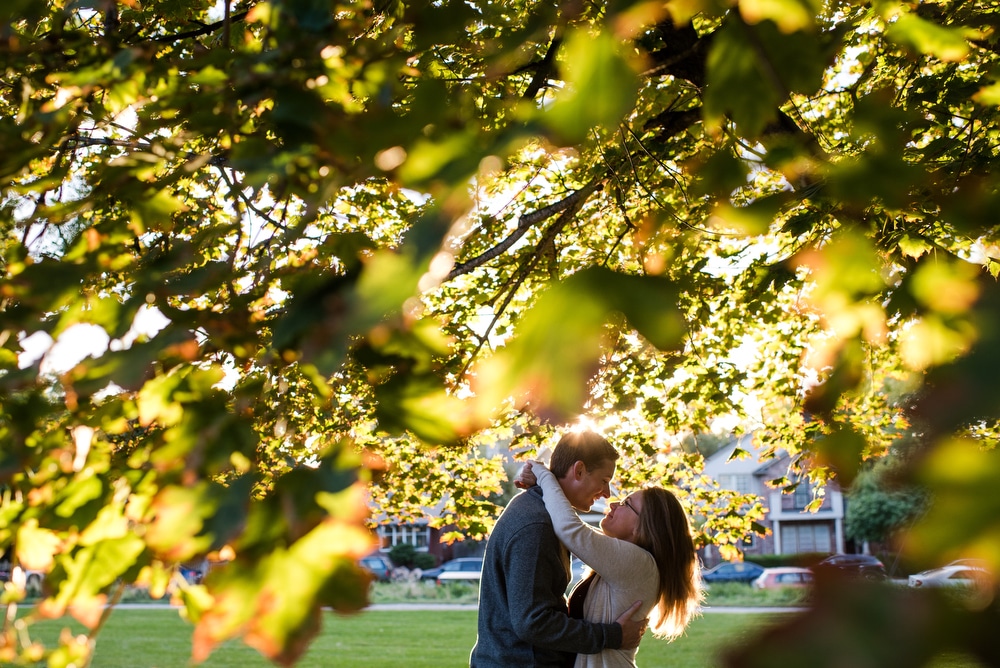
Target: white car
x,y
783,576
955,574
468,569
31,580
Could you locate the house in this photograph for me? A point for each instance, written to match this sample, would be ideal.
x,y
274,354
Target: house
x,y
425,538
419,534
793,529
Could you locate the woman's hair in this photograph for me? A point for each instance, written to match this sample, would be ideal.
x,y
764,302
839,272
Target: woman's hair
x,y
664,531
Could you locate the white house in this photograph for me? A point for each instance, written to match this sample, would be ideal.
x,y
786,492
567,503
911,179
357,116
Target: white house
x,y
793,529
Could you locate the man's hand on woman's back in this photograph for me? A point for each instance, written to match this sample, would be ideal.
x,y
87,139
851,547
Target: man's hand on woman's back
x,y
631,630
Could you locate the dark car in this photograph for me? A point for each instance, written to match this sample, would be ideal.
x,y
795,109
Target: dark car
x,y
465,568
378,566
858,565
733,571
193,574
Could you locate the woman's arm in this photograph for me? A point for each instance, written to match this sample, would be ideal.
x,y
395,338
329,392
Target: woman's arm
x,y
613,559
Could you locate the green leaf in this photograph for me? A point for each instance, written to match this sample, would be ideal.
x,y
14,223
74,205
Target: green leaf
x,y
387,280
154,210
965,507
929,38
842,450
752,70
131,367
914,246
559,341
429,159
738,453
877,175
735,87
86,573
600,86
753,219
185,522
422,404
722,173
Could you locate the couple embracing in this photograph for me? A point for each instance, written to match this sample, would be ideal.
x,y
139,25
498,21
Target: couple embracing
x,y
643,567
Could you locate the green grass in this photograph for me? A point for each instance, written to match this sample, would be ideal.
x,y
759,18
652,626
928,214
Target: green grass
x,y
158,638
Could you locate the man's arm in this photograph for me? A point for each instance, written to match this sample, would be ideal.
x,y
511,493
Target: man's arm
x,y
532,563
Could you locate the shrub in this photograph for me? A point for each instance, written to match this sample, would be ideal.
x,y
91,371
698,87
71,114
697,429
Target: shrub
x,y
403,554
802,560
424,560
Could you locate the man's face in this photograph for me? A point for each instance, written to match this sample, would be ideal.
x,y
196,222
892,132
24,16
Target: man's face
x,y
583,487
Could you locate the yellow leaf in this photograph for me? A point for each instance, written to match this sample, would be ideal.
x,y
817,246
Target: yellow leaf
x,y
109,523
988,95
946,287
36,546
789,15
682,11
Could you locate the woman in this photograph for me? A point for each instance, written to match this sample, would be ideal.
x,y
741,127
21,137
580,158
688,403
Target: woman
x,y
644,552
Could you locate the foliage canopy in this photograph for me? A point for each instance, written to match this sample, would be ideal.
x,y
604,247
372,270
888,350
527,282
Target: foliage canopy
x,y
382,238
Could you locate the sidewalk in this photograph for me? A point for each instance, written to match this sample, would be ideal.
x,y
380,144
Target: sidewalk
x,y
390,607
740,610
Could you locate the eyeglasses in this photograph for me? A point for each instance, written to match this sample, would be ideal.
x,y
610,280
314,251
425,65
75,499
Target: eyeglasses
x,y
624,502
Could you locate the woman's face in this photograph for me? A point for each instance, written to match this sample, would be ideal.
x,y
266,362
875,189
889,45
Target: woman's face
x,y
622,518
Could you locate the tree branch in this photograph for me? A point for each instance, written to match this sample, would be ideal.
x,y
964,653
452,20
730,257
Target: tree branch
x,y
518,279
205,29
544,69
525,222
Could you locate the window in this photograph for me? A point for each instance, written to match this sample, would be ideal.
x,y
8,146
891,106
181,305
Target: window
x,y
738,482
806,537
801,497
417,535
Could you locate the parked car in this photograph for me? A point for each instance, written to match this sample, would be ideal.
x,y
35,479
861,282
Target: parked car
x,y
193,574
33,580
733,571
579,571
783,576
979,563
464,568
955,574
378,566
860,565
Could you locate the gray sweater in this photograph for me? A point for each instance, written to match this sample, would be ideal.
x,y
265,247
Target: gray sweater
x,y
522,607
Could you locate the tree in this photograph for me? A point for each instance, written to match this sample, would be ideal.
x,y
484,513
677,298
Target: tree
x,y
386,236
877,509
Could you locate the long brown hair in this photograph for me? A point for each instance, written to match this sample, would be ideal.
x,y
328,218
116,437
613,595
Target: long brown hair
x,y
664,531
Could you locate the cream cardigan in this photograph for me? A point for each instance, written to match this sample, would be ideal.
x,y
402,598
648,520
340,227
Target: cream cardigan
x,y
626,573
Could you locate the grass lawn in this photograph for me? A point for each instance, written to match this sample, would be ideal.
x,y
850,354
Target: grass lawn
x,y
158,638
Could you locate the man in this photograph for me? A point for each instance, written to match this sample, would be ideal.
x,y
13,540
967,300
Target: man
x,y
523,619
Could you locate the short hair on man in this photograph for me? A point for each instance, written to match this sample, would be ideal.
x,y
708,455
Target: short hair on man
x,y
588,447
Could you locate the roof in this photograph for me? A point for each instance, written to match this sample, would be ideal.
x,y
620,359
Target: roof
x,y
720,462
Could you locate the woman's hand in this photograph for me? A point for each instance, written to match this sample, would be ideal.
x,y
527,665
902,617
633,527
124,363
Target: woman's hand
x,y
525,478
